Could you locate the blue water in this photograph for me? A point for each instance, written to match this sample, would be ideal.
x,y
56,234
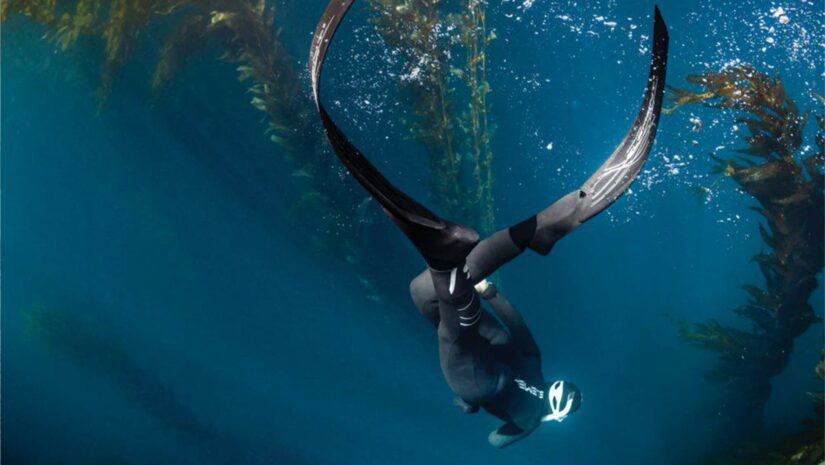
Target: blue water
x,y
166,225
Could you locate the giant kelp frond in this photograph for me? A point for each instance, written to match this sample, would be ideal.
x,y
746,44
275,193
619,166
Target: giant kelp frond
x,y
73,337
775,123
41,11
119,23
676,97
189,37
789,190
249,41
245,31
81,21
717,337
127,20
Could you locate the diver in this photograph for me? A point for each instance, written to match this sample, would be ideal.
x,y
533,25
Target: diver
x,y
493,363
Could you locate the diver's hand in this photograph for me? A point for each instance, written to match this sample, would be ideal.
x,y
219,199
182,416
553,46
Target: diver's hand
x,y
486,289
464,406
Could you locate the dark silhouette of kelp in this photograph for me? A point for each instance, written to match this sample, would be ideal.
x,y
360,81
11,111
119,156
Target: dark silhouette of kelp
x,y
88,345
788,187
801,448
426,35
77,340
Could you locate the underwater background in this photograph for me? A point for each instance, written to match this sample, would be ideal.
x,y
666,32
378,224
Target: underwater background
x,y
174,291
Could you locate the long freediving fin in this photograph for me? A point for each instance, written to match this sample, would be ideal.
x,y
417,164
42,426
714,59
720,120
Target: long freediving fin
x,y
442,243
613,178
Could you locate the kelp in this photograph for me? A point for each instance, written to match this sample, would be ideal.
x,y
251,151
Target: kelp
x,y
423,31
246,33
412,28
88,345
474,37
119,23
429,38
788,187
42,11
249,38
91,346
805,447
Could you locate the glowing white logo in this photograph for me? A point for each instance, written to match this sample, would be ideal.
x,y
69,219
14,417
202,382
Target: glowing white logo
x,y
554,399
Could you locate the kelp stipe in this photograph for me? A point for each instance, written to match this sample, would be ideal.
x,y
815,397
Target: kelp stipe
x,y
458,142
410,27
788,187
474,38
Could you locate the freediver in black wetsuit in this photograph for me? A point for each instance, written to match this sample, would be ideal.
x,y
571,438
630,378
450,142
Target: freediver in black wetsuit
x,y
492,364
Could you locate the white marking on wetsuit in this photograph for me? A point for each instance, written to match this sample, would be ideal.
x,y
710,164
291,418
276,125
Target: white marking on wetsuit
x,y
477,317
452,280
472,298
473,319
530,389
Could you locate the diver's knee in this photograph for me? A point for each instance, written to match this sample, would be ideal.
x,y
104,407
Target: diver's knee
x,y
501,338
422,289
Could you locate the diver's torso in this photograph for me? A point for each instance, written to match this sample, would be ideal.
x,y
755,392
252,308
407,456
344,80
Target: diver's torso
x,y
495,376
523,401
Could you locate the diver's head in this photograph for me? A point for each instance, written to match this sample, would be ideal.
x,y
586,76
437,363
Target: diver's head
x,y
563,398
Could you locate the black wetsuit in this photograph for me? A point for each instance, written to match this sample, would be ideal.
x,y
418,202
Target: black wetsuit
x,y
492,362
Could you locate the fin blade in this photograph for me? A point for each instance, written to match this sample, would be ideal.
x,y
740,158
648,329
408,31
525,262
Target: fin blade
x,y
441,242
616,175
396,202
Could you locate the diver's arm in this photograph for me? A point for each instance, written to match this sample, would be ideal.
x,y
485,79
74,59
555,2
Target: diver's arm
x,y
512,319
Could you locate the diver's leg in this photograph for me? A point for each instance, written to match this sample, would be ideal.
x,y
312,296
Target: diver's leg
x,y
487,257
459,308
501,247
467,359
424,298
558,220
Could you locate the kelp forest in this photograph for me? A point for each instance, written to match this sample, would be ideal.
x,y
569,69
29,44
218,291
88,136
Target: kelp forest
x,y
786,184
442,49
436,86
